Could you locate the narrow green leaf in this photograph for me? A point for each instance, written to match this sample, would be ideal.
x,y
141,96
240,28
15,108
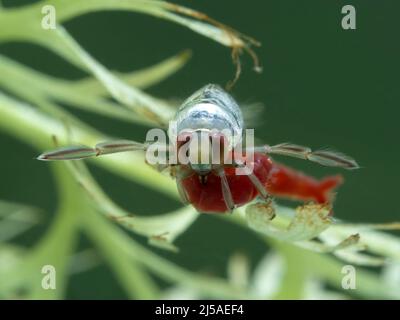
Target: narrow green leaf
x,y
140,79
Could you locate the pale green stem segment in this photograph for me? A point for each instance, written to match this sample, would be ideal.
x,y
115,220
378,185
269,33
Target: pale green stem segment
x,y
87,94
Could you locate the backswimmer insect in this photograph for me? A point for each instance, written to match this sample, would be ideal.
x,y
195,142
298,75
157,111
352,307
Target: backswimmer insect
x,y
215,186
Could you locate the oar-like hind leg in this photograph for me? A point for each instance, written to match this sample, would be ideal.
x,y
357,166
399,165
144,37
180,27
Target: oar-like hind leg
x,y
83,152
322,157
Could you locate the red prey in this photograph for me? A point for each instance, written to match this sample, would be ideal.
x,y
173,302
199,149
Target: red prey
x,y
206,194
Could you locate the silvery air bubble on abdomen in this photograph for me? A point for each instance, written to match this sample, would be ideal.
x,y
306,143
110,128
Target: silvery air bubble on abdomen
x,y
207,109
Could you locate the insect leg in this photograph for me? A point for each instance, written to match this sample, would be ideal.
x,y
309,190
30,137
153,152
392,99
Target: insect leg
x,y
255,181
118,146
182,192
181,173
82,152
226,191
322,157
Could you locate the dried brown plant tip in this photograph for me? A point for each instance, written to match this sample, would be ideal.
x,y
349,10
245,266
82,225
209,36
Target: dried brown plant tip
x,y
238,41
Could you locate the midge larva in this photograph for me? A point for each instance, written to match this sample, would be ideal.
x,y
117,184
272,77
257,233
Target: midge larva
x,y
216,187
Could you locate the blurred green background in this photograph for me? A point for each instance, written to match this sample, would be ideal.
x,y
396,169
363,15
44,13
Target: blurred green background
x,y
322,86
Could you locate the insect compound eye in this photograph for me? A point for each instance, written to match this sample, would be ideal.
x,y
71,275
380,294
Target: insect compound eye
x,y
183,138
182,147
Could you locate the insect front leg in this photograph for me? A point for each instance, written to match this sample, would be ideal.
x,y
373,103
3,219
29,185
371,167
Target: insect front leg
x,y
254,180
181,172
226,191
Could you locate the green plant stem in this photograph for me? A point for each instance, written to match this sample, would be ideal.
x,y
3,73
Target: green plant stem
x,y
303,264
58,245
131,275
160,9
54,249
96,226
